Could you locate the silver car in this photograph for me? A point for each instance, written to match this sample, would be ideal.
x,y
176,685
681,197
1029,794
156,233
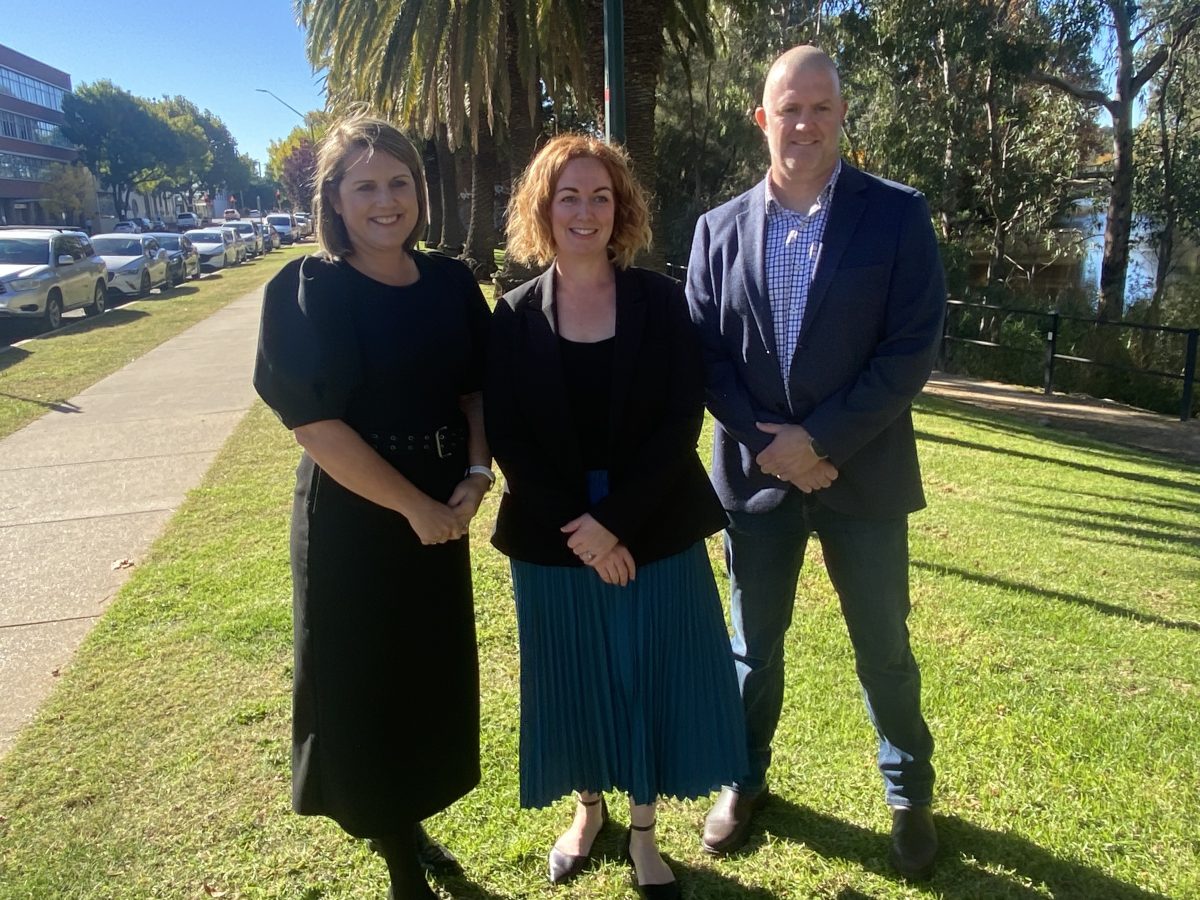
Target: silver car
x,y
136,262
251,236
46,271
215,246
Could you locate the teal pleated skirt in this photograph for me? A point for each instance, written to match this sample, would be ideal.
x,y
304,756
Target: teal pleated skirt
x,y
630,689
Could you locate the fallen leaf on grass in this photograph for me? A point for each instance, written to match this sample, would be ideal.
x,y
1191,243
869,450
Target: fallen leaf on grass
x,y
123,564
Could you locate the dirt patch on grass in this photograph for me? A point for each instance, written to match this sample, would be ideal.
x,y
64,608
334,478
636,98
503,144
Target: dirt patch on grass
x,y
1104,420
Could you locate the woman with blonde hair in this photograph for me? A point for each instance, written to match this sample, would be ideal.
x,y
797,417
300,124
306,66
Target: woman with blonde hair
x,y
593,405
372,354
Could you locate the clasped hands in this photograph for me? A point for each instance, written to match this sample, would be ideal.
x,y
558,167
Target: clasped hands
x,y
599,548
790,457
437,523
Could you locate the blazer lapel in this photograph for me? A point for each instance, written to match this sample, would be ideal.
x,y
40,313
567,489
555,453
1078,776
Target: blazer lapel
x,y
844,212
631,325
752,237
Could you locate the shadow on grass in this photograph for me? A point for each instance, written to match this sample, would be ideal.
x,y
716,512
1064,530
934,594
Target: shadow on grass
x,y
10,356
1108,609
1082,520
62,406
1049,460
1138,500
966,850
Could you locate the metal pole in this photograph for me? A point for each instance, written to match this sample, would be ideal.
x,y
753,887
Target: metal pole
x,y
1051,350
1189,375
614,71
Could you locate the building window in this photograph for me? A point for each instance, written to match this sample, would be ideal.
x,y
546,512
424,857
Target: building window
x,y
15,125
24,168
32,90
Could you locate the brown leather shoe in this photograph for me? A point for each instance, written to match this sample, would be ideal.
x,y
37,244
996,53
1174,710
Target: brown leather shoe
x,y
914,841
728,822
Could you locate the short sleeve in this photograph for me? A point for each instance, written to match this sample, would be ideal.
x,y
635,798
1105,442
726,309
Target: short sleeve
x,y
308,362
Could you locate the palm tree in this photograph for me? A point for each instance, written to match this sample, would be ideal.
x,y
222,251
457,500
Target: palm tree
x,y
476,64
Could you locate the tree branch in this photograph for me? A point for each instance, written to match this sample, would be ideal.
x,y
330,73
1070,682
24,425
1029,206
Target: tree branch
x,y
1096,98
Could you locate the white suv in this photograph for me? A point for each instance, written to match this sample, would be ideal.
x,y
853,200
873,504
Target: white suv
x,y
46,271
185,221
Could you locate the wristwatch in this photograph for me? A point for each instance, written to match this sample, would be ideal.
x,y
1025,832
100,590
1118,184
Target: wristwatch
x,y
485,471
817,449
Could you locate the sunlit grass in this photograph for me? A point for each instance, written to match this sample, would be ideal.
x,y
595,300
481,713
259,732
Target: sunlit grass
x,y
1056,617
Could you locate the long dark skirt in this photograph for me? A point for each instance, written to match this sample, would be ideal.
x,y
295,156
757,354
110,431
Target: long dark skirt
x,y
386,688
632,688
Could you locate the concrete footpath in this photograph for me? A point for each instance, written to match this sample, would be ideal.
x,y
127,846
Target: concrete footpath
x,y
87,488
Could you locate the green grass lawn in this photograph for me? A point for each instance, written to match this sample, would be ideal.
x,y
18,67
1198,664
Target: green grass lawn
x,y
1056,616
40,374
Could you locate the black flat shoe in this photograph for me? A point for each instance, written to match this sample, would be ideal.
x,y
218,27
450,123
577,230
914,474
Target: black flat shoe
x,y
563,866
668,891
434,857
914,842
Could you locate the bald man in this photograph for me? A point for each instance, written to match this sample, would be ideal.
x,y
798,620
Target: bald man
x,y
819,297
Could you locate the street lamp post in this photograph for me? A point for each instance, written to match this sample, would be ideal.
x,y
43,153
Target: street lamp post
x,y
311,136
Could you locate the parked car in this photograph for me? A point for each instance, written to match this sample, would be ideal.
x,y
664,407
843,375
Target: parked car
x,y
239,245
304,221
251,234
215,246
285,225
157,226
186,220
136,263
270,237
127,226
45,271
181,254
231,214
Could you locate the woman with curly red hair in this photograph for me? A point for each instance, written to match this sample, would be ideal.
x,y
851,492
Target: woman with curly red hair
x,y
593,406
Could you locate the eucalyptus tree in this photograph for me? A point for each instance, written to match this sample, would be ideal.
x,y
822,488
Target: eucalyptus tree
x,y
1167,181
1142,40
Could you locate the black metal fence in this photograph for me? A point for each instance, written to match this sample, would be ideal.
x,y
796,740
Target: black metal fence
x,y
989,332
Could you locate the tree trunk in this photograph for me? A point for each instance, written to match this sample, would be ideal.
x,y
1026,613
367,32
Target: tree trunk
x,y
452,226
593,12
643,63
433,182
482,237
521,139
1120,215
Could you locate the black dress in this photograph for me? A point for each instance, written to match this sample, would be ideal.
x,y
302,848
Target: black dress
x,y
386,690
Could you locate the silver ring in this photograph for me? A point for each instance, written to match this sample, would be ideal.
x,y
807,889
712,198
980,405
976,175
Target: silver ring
x,y
591,556
781,478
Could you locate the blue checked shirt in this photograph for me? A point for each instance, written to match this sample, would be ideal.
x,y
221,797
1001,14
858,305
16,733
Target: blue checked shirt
x,y
794,242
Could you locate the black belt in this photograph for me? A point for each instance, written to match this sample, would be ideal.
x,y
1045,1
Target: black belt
x,y
441,442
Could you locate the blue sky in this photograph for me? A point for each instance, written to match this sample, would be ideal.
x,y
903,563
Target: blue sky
x,y
214,52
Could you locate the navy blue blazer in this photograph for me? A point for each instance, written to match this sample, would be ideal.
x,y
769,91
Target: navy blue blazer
x,y
867,344
660,500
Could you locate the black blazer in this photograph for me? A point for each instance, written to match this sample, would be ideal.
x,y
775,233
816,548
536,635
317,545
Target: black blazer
x,y
867,343
660,501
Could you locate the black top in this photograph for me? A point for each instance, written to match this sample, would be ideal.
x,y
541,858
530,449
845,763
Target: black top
x,y
587,375
660,500
349,349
